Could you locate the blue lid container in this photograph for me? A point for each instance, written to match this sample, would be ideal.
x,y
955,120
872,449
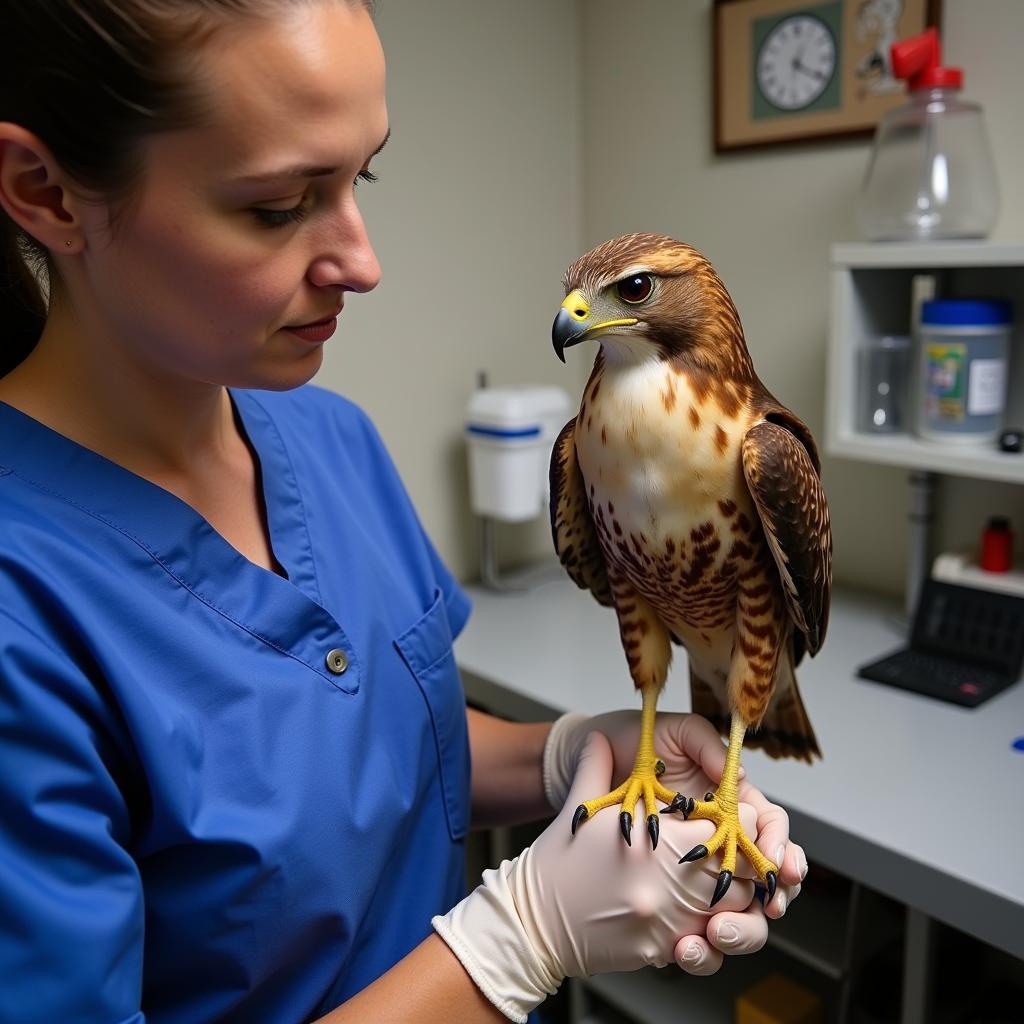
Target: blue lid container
x,y
964,369
966,312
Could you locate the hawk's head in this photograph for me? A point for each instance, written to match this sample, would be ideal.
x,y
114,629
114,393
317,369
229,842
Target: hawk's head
x,y
651,297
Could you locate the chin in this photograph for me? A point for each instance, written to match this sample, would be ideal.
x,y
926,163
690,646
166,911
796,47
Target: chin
x,y
282,376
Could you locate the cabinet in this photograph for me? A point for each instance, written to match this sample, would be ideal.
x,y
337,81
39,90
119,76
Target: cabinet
x,y
840,925
871,295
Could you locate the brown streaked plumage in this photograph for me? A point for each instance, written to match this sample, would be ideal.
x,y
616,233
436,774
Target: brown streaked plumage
x,y
685,496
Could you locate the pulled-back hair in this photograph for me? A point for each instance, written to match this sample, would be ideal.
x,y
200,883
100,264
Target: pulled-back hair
x,y
92,79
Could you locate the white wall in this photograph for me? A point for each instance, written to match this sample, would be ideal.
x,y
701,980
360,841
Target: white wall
x,y
526,131
475,217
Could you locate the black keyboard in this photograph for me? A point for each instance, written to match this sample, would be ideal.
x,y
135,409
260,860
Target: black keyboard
x,y
939,677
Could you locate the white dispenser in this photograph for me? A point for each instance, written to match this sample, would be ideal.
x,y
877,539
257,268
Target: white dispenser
x,y
510,433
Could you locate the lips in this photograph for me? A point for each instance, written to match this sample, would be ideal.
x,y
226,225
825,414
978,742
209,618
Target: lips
x,y
317,330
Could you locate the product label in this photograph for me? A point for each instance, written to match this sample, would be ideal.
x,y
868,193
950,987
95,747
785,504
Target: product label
x,y
986,387
944,382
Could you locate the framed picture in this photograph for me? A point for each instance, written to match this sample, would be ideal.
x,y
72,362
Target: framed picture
x,y
791,71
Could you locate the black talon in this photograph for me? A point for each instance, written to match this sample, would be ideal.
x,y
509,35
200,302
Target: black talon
x,y
659,767
653,829
708,796
680,803
700,850
579,815
626,824
761,893
772,880
724,881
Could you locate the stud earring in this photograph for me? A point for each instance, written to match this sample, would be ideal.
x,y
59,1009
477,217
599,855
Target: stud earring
x,y
68,243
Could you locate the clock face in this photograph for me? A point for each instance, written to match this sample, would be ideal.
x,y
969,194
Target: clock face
x,y
796,62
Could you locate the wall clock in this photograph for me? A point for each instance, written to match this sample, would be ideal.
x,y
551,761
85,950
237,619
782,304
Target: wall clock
x,y
789,71
796,62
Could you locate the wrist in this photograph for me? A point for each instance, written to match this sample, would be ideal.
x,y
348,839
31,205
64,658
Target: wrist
x,y
491,941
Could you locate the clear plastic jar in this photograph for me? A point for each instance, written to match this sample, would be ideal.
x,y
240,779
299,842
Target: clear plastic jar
x,y
931,173
884,373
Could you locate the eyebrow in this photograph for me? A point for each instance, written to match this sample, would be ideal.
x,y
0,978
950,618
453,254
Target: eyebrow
x,y
302,170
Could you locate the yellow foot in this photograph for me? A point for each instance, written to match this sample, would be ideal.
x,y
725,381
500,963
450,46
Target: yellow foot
x,y
729,836
642,782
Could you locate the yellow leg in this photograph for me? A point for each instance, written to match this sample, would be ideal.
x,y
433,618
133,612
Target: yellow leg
x,y
642,782
722,808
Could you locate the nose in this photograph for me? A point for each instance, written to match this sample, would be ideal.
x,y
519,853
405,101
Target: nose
x,y
345,259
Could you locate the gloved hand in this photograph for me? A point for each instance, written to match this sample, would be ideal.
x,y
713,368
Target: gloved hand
x,y
570,906
694,756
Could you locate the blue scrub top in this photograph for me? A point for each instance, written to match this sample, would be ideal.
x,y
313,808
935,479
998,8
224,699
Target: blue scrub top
x,y
199,820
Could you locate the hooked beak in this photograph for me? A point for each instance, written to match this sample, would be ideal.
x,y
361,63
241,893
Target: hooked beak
x,y
573,324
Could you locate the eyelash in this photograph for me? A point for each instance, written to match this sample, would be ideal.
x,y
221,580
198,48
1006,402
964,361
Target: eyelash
x,y
297,213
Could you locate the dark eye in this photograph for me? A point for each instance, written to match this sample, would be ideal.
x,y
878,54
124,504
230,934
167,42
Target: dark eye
x,y
635,289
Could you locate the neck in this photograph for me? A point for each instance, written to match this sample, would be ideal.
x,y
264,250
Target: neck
x,y
132,414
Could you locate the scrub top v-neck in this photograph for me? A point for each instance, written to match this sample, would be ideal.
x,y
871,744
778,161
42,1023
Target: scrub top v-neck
x,y
225,794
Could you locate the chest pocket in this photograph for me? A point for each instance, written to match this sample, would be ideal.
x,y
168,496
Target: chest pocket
x,y
426,647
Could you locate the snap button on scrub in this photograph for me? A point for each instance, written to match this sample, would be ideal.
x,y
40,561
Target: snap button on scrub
x,y
337,662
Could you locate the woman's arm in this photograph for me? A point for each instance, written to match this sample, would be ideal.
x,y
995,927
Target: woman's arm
x,y
429,984
507,786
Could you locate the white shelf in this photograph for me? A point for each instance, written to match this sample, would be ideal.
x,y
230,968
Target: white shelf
x,y
910,452
923,255
871,286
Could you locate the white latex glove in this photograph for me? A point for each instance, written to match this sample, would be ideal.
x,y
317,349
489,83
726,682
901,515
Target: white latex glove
x,y
694,756
570,906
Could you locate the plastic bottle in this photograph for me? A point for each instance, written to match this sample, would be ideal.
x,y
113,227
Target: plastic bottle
x,y
931,173
964,356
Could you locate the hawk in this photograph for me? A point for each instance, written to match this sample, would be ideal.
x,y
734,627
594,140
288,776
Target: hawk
x,y
687,498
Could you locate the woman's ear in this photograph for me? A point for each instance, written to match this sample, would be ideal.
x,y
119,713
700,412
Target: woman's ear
x,y
34,191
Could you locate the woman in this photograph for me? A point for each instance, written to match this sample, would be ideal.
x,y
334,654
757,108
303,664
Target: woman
x,y
234,751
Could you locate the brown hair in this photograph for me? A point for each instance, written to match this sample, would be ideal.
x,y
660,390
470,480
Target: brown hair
x,y
92,79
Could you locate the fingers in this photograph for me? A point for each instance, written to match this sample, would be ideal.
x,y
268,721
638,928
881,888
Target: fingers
x,y
772,827
733,933
700,741
695,955
784,896
774,842
593,770
738,932
792,870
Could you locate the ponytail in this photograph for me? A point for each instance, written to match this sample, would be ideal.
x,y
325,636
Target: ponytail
x,y
22,310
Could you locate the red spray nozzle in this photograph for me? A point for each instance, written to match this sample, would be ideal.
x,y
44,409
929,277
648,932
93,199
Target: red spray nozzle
x,y
917,60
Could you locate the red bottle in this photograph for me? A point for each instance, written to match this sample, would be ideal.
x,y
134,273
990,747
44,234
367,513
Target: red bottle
x,y
997,545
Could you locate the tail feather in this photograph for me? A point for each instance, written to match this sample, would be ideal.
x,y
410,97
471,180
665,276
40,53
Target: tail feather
x,y
785,730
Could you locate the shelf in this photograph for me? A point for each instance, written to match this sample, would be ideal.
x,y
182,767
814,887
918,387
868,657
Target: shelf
x,y
896,255
872,285
912,453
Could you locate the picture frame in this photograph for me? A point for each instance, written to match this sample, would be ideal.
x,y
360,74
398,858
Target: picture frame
x,y
789,71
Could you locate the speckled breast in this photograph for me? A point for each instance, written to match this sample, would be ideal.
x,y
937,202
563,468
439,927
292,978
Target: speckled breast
x,y
667,493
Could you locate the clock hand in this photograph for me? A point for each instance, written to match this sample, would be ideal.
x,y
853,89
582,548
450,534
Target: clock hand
x,y
813,72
